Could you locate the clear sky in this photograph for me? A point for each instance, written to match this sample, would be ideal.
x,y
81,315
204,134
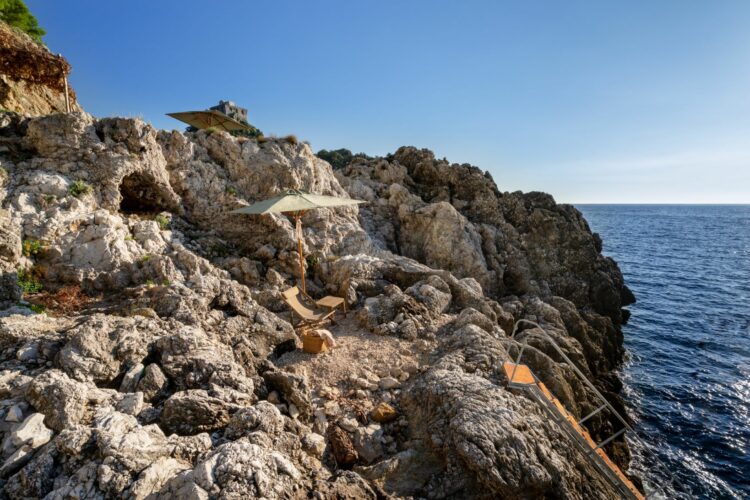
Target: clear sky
x,y
599,101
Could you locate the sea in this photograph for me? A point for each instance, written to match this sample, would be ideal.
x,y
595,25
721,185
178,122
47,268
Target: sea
x,y
687,375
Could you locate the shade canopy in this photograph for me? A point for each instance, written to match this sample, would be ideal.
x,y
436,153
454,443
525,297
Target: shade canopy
x,y
295,200
210,118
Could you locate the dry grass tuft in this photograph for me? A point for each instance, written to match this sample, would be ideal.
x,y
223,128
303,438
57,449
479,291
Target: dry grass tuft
x,y
67,300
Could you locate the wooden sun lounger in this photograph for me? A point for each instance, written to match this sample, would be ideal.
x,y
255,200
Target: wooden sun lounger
x,y
307,317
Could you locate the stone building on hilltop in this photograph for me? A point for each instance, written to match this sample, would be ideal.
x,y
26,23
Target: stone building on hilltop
x,y
230,109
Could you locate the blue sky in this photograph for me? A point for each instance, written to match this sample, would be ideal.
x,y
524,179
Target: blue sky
x,y
603,102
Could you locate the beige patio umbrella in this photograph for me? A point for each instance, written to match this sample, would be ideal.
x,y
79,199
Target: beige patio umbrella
x,y
295,203
210,118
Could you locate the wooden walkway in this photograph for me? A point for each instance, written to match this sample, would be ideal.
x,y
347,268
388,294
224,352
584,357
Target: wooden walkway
x,y
522,377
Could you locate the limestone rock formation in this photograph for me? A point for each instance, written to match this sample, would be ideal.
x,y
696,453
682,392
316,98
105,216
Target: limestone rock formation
x,y
160,367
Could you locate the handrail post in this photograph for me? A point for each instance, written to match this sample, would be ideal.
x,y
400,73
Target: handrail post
x,y
518,361
610,438
591,414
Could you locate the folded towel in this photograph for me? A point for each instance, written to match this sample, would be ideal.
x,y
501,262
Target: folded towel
x,y
327,337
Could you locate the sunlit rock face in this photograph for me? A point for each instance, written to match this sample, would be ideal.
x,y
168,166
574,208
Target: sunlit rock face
x,y
164,365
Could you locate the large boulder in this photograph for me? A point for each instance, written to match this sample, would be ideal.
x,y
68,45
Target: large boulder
x,y
194,411
192,360
103,346
441,237
237,469
64,401
293,387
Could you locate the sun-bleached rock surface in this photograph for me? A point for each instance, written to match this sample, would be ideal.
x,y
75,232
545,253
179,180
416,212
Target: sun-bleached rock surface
x,y
145,351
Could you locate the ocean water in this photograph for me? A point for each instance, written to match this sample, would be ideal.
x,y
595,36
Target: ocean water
x,y
687,379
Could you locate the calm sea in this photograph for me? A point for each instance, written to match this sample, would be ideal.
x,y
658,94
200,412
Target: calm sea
x,y
687,380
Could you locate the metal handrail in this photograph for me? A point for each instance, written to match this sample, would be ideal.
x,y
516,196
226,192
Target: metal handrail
x,y
572,365
595,391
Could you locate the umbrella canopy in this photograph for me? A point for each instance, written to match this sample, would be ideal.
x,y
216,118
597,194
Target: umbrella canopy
x,y
295,202
210,118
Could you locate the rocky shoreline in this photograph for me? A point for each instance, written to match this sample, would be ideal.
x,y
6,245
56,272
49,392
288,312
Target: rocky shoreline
x,y
164,365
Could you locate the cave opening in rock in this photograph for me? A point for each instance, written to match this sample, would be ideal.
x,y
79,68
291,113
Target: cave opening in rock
x,y
138,195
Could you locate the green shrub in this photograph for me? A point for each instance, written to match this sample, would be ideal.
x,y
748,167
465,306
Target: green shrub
x,y
340,158
31,248
312,261
145,258
28,282
16,14
252,132
231,191
37,308
291,139
129,237
79,188
165,283
163,221
150,283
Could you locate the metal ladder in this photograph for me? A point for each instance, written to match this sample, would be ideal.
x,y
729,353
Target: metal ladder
x,y
521,377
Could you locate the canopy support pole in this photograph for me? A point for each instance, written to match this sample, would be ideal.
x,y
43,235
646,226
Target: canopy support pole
x,y
298,228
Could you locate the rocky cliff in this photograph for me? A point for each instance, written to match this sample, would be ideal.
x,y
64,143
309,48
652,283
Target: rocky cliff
x,y
31,77
145,352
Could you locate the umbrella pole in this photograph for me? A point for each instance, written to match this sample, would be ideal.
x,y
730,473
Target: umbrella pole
x,y
298,227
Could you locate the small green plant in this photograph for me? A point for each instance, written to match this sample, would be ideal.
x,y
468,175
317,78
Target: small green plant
x,y
211,130
231,191
37,308
28,282
291,139
31,248
248,132
145,258
79,188
129,237
163,221
150,283
312,261
165,283
46,200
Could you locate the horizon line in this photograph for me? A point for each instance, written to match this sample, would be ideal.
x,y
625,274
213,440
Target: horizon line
x,y
741,204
